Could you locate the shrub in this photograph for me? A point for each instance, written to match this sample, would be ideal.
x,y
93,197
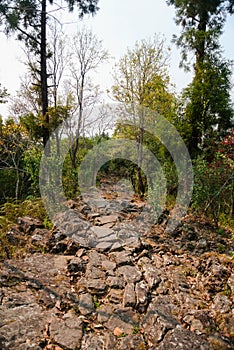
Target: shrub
x,y
213,188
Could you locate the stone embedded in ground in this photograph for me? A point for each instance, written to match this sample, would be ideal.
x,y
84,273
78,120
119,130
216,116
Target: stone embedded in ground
x,y
96,258
123,257
104,313
158,321
98,203
116,246
96,286
132,342
107,219
128,234
221,304
76,266
28,224
130,273
93,342
104,245
67,332
108,266
183,339
101,232
141,290
94,272
115,282
86,305
152,275
129,297
125,319
115,296
82,285
21,320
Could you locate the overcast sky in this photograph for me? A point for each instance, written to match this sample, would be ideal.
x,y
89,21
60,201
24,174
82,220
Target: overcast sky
x,y
119,23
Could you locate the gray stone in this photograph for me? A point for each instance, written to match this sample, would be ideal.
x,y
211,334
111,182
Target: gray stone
x,y
21,321
152,275
116,246
98,203
104,245
130,273
158,321
132,342
86,305
82,285
28,224
115,282
96,286
121,257
93,342
115,296
110,341
101,232
104,313
221,304
96,258
94,272
141,290
129,297
183,339
67,332
108,266
125,319
107,219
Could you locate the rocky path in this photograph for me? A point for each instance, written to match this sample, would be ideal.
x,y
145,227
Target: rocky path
x,y
111,284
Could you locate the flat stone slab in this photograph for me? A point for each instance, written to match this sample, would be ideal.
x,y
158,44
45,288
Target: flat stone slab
x,y
67,331
107,219
101,232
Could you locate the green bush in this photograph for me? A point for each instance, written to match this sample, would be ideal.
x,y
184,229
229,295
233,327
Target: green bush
x,y
213,188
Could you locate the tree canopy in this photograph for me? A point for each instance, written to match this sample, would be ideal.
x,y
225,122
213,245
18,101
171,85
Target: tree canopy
x,y
208,100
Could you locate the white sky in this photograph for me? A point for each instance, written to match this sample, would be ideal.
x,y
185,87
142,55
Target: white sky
x,y
119,23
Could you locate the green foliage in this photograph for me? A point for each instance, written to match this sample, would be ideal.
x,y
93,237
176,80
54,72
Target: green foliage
x,y
70,175
158,199
141,75
214,188
207,99
202,22
96,302
7,184
136,329
141,80
32,158
9,213
13,143
33,208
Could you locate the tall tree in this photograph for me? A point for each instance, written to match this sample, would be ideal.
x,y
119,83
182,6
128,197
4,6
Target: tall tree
x,y
29,18
202,23
86,56
141,79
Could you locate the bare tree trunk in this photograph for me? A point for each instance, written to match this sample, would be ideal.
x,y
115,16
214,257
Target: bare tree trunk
x,y
141,187
43,73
